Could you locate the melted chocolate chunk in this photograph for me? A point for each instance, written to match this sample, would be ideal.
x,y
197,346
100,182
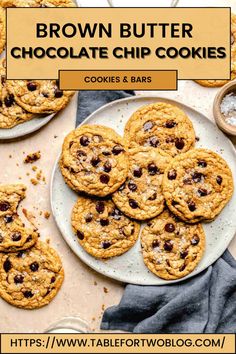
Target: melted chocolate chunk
x,y
28,294
116,214
168,246
18,279
153,197
80,235
191,205
107,167
188,181
9,100
195,240
104,222
84,140
148,126
31,86
81,153
197,177
202,192
153,169
179,143
117,149
7,265
89,217
219,180
122,187
153,141
172,174
202,163
133,204
155,244
132,186
4,206
183,254
100,207
58,93
182,267
106,153
169,227
95,161
170,124
16,236
8,219
104,179
53,279
106,244
137,172
34,266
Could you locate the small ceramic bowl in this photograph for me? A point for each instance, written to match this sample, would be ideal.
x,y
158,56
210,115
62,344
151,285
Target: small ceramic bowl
x,y
219,117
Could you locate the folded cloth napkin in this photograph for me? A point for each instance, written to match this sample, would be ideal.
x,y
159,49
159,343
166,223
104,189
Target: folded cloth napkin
x,y
205,303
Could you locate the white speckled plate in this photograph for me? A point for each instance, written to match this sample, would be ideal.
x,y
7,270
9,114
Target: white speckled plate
x,y
26,128
129,267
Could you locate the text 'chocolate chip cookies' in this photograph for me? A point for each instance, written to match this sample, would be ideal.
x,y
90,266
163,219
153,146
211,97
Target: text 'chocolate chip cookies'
x,y
102,229
172,249
197,185
31,278
160,125
141,196
94,160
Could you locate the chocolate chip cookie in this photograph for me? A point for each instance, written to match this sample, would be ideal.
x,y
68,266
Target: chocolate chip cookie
x,y
172,249
102,229
219,83
141,197
11,114
197,185
30,279
14,236
38,96
2,29
94,160
160,125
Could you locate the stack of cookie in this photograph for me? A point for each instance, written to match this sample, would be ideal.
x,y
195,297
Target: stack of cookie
x,y
31,272
153,174
23,100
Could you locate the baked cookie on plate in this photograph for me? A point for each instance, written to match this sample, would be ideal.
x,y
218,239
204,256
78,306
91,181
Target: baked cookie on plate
x,y
160,125
172,249
197,185
102,229
31,279
141,197
94,160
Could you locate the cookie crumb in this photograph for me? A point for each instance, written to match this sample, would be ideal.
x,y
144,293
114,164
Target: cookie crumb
x,y
34,181
10,156
47,214
34,168
103,307
30,158
105,290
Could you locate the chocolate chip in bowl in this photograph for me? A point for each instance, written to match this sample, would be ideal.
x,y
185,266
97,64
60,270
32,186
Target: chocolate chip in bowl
x,y
224,108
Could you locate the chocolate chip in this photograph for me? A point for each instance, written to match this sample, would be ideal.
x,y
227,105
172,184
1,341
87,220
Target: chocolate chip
x,y
104,222
84,140
132,186
107,167
32,86
117,149
148,125
80,235
202,192
53,279
9,100
28,294
18,279
174,203
45,94
97,138
169,227
191,206
170,124
106,244
16,236
153,141
155,244
182,267
116,214
168,246
197,177
179,143
81,153
219,180
8,219
20,254
195,240
137,172
153,196
1,238
183,254
58,93
172,174
122,187
153,169
104,179
187,181
34,266
197,138
95,161
4,206
100,207
106,153
7,265
202,163
89,217
133,204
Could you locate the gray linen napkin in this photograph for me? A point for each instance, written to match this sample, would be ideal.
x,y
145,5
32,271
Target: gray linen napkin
x,y
205,303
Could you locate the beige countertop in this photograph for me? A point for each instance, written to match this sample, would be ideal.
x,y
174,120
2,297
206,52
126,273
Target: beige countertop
x,y
84,293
